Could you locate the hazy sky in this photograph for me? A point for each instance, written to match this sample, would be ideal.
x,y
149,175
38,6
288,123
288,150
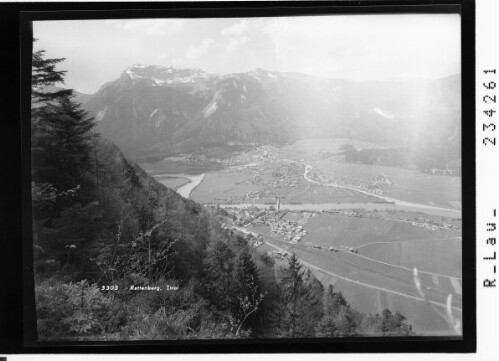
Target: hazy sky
x,y
360,47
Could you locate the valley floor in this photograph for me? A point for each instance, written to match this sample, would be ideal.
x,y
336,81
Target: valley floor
x,y
360,228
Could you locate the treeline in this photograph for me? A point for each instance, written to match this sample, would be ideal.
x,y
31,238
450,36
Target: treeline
x,y
420,159
395,157
101,225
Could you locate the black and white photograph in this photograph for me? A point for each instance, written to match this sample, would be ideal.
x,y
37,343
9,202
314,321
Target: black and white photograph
x,y
247,178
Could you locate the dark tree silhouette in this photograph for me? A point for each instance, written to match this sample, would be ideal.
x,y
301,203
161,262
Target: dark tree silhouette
x,y
248,297
298,299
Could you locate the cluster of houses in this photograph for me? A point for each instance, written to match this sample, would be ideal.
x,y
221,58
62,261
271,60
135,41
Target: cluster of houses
x,y
322,179
431,225
448,172
291,230
254,239
250,166
265,157
246,215
288,175
425,225
381,180
374,189
349,212
376,185
335,249
346,249
288,230
289,170
256,179
277,254
278,183
252,195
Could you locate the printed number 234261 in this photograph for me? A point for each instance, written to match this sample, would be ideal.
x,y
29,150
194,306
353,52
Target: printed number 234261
x,y
489,127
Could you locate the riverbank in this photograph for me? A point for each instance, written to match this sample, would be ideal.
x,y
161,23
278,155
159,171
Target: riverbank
x,y
319,207
186,189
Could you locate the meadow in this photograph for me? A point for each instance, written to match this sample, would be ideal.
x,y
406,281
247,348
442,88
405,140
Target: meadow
x,y
437,256
388,266
318,194
220,186
332,229
389,287
408,185
424,319
176,165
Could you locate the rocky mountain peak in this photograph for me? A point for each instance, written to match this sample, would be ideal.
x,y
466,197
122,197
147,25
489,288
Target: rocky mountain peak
x,y
160,75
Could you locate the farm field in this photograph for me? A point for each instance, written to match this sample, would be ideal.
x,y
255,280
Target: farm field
x,y
318,194
373,299
323,146
437,256
328,229
222,185
412,216
175,165
230,186
381,275
357,269
259,175
408,185
376,274
424,319
271,171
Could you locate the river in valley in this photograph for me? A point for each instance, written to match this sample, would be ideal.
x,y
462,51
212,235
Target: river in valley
x,y
387,203
186,189
318,207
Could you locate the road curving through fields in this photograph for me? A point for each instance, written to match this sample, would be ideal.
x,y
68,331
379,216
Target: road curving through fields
x,y
420,206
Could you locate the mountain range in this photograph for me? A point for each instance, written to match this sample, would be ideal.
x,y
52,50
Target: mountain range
x,y
155,110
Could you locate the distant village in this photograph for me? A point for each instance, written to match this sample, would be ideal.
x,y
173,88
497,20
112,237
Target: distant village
x,y
447,172
249,222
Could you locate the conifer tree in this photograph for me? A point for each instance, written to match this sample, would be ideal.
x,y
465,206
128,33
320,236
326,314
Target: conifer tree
x,y
220,267
248,298
246,271
333,302
393,324
345,321
338,319
61,131
61,138
44,74
297,297
327,327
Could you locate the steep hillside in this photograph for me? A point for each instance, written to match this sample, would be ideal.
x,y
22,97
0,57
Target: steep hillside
x,y
120,202
125,257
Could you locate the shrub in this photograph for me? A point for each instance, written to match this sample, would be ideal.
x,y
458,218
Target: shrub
x,y
70,309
